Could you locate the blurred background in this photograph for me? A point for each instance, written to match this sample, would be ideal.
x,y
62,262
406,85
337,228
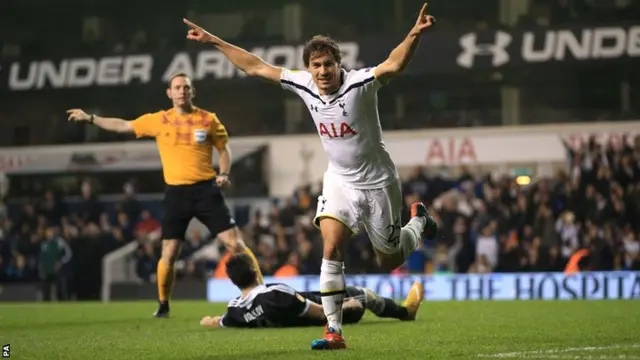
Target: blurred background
x,y
516,123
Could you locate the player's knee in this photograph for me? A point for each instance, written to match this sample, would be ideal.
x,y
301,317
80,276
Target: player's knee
x,y
232,240
170,250
332,252
334,236
236,246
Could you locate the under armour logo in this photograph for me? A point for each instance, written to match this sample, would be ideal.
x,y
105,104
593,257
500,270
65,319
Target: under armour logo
x,y
313,108
342,105
470,48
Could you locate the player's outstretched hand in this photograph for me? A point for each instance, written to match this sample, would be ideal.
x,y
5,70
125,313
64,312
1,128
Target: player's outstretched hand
x,y
209,321
424,21
78,115
197,33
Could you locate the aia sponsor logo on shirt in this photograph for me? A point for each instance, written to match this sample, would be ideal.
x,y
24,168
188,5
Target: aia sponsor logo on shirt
x,y
336,130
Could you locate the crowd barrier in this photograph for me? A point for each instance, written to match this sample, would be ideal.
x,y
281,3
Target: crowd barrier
x,y
615,285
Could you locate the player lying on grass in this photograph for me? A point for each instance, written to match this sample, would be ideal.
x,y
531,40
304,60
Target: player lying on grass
x,y
279,305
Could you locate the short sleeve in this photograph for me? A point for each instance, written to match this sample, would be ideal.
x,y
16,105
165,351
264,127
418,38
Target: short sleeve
x,y
296,81
219,134
147,124
363,80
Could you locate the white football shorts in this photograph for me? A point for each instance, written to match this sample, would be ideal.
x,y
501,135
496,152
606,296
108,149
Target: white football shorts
x,y
377,211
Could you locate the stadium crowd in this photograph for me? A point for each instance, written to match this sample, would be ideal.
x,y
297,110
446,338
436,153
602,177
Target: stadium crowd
x,y
587,217
491,223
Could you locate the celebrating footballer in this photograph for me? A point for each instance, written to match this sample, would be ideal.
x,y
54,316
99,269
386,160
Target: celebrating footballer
x,y
361,184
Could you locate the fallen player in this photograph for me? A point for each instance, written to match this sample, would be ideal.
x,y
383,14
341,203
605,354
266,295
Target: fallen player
x,y
279,305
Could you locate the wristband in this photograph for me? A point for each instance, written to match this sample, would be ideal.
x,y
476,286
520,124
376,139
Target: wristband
x,y
91,118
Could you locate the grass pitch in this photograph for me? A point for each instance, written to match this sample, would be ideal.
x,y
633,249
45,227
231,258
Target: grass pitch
x,y
444,330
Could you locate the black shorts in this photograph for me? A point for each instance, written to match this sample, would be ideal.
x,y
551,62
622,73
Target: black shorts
x,y
201,200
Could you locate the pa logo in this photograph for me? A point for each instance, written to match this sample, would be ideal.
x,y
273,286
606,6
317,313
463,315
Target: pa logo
x,y
497,49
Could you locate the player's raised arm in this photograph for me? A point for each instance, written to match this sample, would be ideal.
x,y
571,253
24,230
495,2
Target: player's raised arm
x,y
251,64
402,54
109,124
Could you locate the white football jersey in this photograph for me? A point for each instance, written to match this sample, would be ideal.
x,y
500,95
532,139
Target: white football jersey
x,y
349,126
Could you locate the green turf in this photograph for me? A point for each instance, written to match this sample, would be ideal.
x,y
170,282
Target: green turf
x,y
444,330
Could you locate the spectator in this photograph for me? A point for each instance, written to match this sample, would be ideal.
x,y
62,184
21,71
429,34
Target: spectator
x,y
481,266
287,214
146,261
568,232
90,207
55,256
145,226
290,268
631,249
52,208
487,246
417,183
129,204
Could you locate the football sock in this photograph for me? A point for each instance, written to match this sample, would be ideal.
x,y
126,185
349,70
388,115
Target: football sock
x,y
256,264
410,236
332,290
166,275
387,308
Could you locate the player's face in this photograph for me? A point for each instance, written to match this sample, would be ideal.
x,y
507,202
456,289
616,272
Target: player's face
x,y
325,71
181,91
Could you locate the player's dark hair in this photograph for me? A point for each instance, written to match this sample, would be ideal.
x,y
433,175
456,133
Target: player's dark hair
x,y
240,271
320,45
177,75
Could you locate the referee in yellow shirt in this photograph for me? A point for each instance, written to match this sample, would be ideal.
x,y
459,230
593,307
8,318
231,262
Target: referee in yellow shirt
x,y
186,136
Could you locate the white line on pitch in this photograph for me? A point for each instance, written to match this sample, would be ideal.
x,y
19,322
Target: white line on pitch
x,y
558,351
580,357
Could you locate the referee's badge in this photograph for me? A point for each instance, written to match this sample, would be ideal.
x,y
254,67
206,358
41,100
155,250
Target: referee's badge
x,y
199,135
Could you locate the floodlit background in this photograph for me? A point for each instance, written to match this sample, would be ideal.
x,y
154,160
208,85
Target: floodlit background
x,y
514,123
